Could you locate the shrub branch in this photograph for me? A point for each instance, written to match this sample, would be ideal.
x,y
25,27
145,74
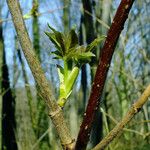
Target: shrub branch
x,y
101,73
136,107
45,90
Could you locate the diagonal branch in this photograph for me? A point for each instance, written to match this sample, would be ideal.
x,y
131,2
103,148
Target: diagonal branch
x,y
101,73
55,111
136,107
29,15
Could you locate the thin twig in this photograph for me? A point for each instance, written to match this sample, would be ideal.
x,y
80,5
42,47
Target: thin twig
x,y
136,107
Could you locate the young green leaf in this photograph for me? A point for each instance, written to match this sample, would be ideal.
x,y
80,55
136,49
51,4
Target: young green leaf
x,y
73,39
75,51
59,37
79,55
60,73
53,39
66,88
58,55
52,28
70,40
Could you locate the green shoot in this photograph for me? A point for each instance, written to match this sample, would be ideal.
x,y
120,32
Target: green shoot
x,y
73,56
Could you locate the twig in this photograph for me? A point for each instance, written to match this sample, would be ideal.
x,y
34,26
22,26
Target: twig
x,y
45,90
38,14
40,139
136,107
101,73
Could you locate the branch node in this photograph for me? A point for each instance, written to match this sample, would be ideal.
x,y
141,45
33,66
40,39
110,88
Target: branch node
x,y
69,146
136,109
54,113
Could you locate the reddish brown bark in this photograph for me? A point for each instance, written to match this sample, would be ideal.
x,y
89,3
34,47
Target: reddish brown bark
x,y
101,73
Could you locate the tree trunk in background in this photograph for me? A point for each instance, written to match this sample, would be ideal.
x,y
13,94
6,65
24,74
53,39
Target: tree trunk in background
x,y
42,118
90,36
8,110
7,103
89,29
1,64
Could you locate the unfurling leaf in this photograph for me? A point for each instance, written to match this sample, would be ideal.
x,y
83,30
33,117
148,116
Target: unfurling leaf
x,y
70,40
58,54
53,39
66,87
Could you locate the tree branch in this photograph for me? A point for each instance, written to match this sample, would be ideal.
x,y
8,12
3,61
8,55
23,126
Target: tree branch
x,y
136,107
55,111
101,73
29,16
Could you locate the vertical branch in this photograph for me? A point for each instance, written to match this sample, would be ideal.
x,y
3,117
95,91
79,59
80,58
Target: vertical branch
x,y
101,73
55,111
83,69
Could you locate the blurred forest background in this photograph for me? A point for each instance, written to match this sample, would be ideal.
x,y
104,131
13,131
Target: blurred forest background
x,y
25,124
